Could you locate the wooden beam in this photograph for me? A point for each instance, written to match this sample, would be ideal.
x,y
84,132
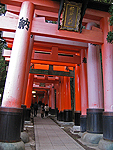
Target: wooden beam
x,y
7,54
50,30
59,41
13,9
46,47
49,40
43,46
8,23
39,66
52,6
46,5
51,63
45,81
51,15
53,57
63,59
52,72
40,87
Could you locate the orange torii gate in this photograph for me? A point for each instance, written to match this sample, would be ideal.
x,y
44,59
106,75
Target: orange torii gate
x,y
42,70
12,98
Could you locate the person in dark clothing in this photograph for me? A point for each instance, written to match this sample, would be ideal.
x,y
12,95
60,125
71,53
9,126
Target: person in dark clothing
x,y
35,106
39,103
46,110
31,109
42,110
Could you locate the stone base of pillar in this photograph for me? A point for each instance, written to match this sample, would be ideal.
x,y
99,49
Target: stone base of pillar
x,y
56,111
25,137
10,124
77,118
12,146
61,116
27,114
83,123
108,126
91,138
23,117
95,120
68,116
57,114
105,145
52,111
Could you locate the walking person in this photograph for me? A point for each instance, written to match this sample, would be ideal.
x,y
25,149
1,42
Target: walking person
x,y
42,111
46,110
35,106
31,110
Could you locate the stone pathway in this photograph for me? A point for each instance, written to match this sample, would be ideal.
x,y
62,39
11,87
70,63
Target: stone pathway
x,y
49,136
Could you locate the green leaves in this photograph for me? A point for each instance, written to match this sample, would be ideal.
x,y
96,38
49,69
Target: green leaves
x,y
104,1
2,66
110,34
110,37
2,9
111,20
111,13
111,10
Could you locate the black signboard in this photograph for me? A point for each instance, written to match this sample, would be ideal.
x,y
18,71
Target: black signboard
x,y
71,16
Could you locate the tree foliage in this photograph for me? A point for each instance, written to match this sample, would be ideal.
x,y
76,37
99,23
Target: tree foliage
x,y
2,60
3,65
105,1
2,9
110,33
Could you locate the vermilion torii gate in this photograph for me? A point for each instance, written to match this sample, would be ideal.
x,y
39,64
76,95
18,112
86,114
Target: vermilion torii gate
x,y
48,38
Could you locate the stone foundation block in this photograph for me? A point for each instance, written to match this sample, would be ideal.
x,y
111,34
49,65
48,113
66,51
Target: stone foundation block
x,y
12,146
24,137
105,145
91,138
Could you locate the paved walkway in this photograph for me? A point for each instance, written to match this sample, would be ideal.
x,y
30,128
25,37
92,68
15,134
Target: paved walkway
x,y
49,136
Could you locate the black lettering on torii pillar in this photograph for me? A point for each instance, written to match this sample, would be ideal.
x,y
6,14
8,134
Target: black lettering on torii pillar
x,y
24,23
84,60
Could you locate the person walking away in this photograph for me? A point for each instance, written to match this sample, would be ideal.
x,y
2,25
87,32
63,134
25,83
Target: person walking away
x,y
32,110
35,106
46,110
42,111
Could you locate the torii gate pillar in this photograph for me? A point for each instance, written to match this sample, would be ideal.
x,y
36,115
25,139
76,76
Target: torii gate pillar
x,y
59,100
26,110
84,91
60,114
27,68
95,92
11,111
77,95
28,97
107,60
67,100
52,109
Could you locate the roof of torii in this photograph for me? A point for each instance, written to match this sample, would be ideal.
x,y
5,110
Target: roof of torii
x,y
49,10
94,36
48,37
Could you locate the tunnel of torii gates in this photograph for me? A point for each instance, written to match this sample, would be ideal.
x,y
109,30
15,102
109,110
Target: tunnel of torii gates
x,y
44,55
